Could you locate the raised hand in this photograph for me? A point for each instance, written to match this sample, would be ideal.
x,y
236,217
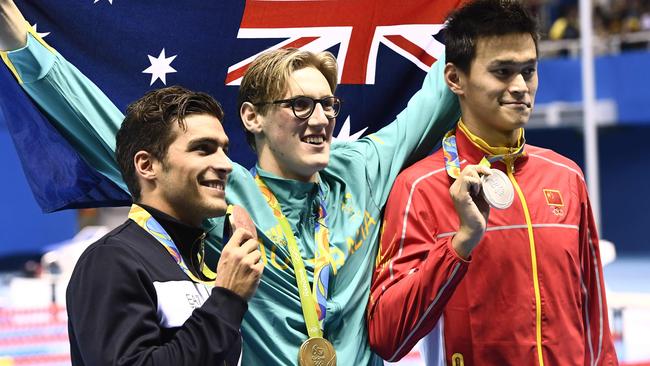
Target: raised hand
x,y
13,26
471,207
240,266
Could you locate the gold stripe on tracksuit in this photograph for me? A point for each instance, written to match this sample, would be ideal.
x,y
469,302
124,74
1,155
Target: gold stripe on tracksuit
x,y
533,259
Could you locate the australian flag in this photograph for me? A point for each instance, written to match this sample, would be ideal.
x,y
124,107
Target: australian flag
x,y
127,47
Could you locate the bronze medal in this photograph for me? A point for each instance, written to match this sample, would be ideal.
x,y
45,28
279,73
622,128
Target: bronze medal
x,y
317,351
239,218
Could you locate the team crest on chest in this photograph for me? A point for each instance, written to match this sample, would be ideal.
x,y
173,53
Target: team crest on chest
x,y
555,201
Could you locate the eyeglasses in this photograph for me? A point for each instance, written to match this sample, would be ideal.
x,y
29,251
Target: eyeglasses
x,y
303,106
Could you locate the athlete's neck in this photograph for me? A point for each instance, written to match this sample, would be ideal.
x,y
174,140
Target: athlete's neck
x,y
272,166
188,219
492,137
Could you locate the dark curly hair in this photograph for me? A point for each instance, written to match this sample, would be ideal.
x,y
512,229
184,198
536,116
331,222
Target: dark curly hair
x,y
147,126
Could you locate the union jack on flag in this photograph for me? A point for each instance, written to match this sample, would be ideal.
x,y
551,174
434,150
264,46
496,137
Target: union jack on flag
x,y
383,48
317,26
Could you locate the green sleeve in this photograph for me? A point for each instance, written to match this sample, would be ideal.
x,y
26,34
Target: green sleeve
x,y
74,104
416,131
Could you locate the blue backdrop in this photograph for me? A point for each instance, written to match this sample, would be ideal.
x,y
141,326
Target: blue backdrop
x,y
24,229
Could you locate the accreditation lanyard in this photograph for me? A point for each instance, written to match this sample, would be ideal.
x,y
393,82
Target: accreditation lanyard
x,y
313,302
450,150
144,219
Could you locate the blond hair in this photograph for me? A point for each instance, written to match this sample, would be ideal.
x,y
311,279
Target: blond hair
x,y
268,76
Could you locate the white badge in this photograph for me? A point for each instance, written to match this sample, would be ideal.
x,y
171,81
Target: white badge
x,y
497,189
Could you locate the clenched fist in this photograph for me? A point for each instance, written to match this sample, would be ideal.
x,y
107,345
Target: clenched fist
x,y
471,207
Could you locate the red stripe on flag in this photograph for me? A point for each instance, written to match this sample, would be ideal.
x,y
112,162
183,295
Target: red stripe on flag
x,y
236,74
412,48
364,16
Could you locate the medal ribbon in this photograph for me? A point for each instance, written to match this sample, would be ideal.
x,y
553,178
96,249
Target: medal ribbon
x,y
144,219
450,150
314,302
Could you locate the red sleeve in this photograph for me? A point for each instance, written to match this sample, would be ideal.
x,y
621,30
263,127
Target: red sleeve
x,y
599,346
416,272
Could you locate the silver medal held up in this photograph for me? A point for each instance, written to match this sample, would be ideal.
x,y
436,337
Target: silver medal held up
x,y
497,189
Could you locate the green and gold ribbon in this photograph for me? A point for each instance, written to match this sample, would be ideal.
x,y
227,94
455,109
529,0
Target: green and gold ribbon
x,y
144,219
313,302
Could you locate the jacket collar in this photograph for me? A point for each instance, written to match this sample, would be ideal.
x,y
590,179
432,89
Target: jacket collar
x,y
296,198
186,238
473,148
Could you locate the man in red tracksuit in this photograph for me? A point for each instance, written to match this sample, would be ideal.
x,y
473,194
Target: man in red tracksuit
x,y
524,287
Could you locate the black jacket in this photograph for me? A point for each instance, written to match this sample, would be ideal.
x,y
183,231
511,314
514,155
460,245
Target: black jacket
x,y
129,303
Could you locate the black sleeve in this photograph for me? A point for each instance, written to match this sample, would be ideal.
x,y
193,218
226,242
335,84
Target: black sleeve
x,y
112,310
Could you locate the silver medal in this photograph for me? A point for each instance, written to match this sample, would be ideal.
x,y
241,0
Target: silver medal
x,y
497,189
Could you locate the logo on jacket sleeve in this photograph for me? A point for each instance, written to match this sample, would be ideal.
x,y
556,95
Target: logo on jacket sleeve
x,y
554,200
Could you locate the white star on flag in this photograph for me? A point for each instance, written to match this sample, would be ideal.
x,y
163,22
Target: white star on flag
x,y
96,1
42,35
344,133
160,67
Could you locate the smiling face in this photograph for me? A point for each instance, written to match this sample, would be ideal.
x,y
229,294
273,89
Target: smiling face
x,y
498,93
190,181
291,147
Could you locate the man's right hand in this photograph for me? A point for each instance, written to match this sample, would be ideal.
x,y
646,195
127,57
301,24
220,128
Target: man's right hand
x,y
13,27
240,266
471,207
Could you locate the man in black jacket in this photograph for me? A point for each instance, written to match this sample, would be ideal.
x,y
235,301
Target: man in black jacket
x,y
142,295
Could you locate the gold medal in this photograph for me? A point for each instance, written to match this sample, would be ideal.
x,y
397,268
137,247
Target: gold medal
x,y
317,351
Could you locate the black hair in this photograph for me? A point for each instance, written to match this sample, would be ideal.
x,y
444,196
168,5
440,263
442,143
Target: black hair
x,y
147,126
484,18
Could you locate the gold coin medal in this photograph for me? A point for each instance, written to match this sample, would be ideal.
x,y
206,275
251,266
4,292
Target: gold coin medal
x,y
317,351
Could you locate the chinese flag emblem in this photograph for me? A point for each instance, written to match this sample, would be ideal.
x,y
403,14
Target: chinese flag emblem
x,y
553,197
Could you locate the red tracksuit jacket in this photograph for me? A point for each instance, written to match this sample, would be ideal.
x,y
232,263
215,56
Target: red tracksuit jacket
x,y
532,292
